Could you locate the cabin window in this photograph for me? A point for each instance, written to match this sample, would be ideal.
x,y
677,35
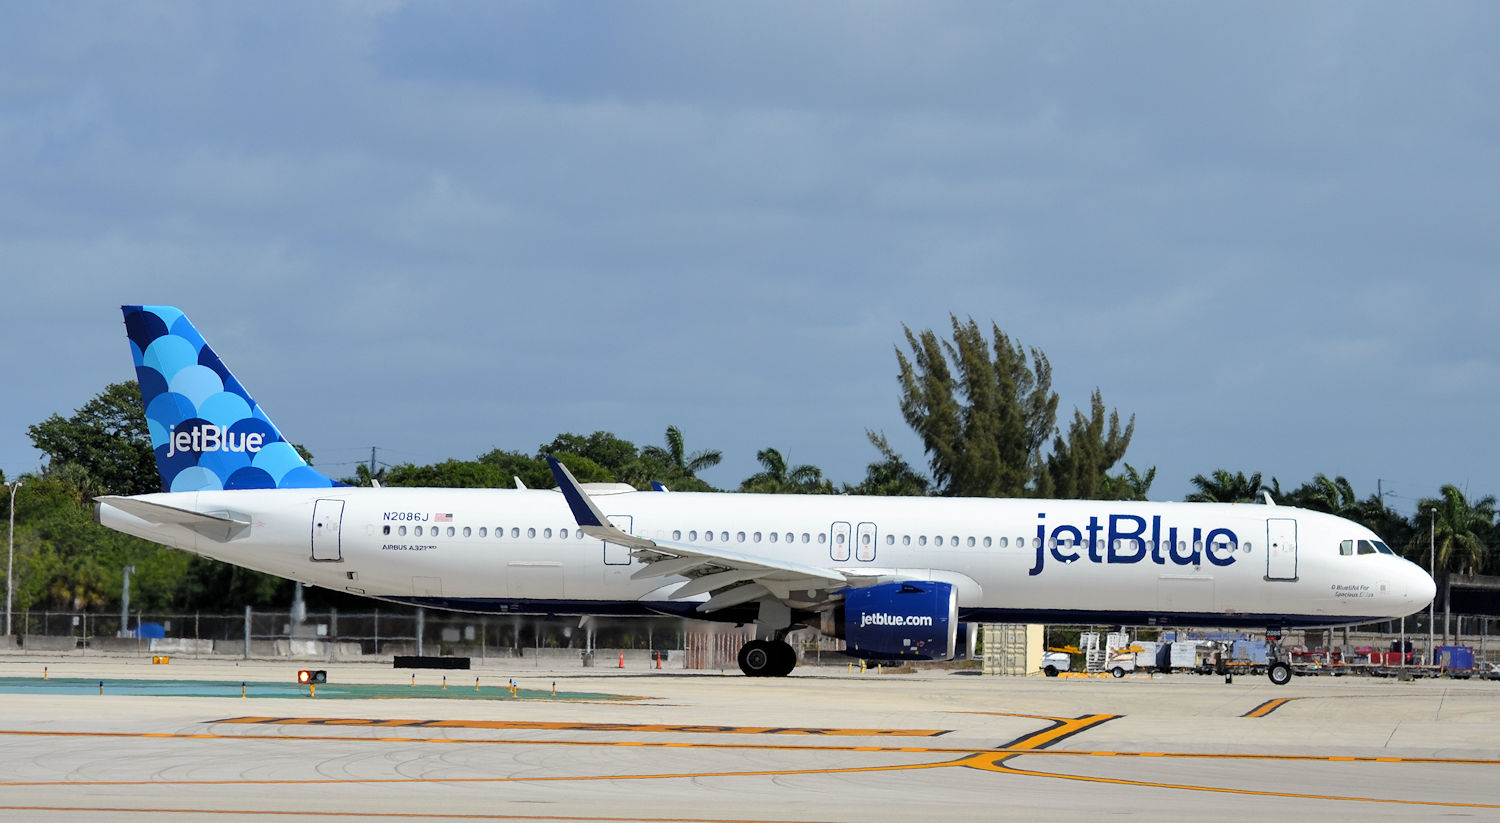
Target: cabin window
x,y
676,534
755,537
386,530
806,537
822,538
418,531
467,533
922,540
971,542
531,533
906,540
499,532
1245,547
937,541
692,534
739,537
563,533
986,542
1005,542
790,537
775,537
1036,542
450,531
401,530
515,531
484,532
724,537
890,540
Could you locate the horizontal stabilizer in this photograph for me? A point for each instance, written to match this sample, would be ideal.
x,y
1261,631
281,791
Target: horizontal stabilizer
x,y
220,527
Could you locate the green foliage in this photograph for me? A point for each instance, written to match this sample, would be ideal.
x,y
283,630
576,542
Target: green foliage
x,y
1461,528
985,411
675,467
1078,466
778,478
1128,485
891,476
1223,487
106,440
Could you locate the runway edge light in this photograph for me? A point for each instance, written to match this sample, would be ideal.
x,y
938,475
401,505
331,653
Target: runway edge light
x,y
307,676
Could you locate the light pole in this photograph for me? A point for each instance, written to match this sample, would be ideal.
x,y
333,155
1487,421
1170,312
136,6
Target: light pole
x,y
1432,564
10,559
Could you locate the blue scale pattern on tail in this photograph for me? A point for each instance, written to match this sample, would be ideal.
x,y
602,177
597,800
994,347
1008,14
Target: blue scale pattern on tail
x,y
208,432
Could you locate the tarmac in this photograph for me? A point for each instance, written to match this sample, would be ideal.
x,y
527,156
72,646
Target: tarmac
x,y
124,739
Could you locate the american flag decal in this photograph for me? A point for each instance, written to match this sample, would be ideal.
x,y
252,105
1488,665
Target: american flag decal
x,y
442,518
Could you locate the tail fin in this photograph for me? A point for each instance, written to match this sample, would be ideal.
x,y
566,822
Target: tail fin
x,y
208,432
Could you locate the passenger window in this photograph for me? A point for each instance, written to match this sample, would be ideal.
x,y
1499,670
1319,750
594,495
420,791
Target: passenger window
x,y
418,531
563,533
466,531
723,537
739,537
484,532
937,541
971,542
531,533
890,540
693,534
1245,547
755,537
1036,542
906,540
922,540
676,534
387,530
401,530
450,531
789,537
515,532
986,542
1005,542
822,538
774,537
864,540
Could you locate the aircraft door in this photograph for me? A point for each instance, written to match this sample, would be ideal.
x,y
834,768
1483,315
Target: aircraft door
x,y
327,517
864,542
1281,549
838,542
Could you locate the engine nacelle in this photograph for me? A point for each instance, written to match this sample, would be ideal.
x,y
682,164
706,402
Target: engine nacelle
x,y
909,620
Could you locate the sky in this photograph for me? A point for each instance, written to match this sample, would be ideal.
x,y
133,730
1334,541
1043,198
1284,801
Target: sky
x,y
1267,230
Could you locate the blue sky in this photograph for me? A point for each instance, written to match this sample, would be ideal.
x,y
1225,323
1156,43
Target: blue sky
x,y
1266,229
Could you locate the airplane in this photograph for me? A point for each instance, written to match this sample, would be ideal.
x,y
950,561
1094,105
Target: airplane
x,y
902,578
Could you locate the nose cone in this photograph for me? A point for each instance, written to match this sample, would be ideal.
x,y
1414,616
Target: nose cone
x,y
1420,588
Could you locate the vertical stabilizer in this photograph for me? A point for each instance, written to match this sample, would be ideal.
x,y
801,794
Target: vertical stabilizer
x,y
208,432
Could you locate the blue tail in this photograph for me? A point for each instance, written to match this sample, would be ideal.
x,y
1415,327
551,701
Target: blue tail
x,y
208,432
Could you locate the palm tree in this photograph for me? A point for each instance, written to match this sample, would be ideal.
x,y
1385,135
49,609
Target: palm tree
x,y
1334,496
1224,487
1459,532
778,479
674,457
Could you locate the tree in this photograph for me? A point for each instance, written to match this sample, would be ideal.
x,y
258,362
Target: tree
x,y
1129,485
1078,466
777,478
603,448
681,468
1224,487
106,439
1334,496
1459,530
984,419
891,476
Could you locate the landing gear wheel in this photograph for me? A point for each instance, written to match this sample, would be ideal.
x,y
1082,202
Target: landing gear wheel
x,y
767,658
1280,674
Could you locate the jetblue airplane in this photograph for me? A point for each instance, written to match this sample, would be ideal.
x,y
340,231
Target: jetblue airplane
x,y
896,578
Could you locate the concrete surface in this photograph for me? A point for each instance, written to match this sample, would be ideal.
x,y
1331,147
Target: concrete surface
x,y
822,745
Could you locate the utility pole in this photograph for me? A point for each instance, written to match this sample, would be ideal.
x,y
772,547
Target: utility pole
x,y
1432,560
10,556
125,603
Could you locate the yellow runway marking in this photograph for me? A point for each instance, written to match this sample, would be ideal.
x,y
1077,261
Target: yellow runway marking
x,y
1269,706
581,727
987,760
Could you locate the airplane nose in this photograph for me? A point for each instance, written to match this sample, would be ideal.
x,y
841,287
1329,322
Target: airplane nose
x,y
1420,587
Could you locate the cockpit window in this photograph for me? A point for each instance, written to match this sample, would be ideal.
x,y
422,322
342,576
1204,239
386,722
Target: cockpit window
x,y
1382,548
1365,547
1346,548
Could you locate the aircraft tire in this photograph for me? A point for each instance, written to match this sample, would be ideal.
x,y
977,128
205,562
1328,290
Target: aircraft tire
x,y
759,658
785,656
1280,674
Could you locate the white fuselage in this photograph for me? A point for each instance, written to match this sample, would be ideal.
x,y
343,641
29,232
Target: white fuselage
x,y
520,551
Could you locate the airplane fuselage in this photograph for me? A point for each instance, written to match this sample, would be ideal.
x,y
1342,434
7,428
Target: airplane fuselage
x,y
521,551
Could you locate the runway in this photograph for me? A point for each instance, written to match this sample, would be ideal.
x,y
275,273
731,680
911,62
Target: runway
x,y
823,745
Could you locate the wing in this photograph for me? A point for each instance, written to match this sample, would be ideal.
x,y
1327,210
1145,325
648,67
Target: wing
x,y
729,578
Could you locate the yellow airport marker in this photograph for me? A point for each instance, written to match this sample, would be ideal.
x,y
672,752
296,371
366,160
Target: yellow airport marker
x,y
414,678
476,684
44,672
101,688
445,682
554,688
242,689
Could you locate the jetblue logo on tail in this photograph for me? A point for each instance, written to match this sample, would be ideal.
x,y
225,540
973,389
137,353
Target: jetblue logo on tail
x,y
208,432
211,438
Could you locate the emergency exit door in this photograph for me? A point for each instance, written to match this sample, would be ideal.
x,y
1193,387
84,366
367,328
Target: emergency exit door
x,y
328,515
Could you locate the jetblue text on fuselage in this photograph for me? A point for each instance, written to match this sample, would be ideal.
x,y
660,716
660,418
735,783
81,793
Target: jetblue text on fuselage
x,y
211,438
1128,538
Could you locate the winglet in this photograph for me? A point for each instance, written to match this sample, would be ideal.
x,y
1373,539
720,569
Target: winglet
x,y
584,510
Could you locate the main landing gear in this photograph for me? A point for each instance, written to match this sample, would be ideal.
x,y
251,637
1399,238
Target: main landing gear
x,y
767,658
